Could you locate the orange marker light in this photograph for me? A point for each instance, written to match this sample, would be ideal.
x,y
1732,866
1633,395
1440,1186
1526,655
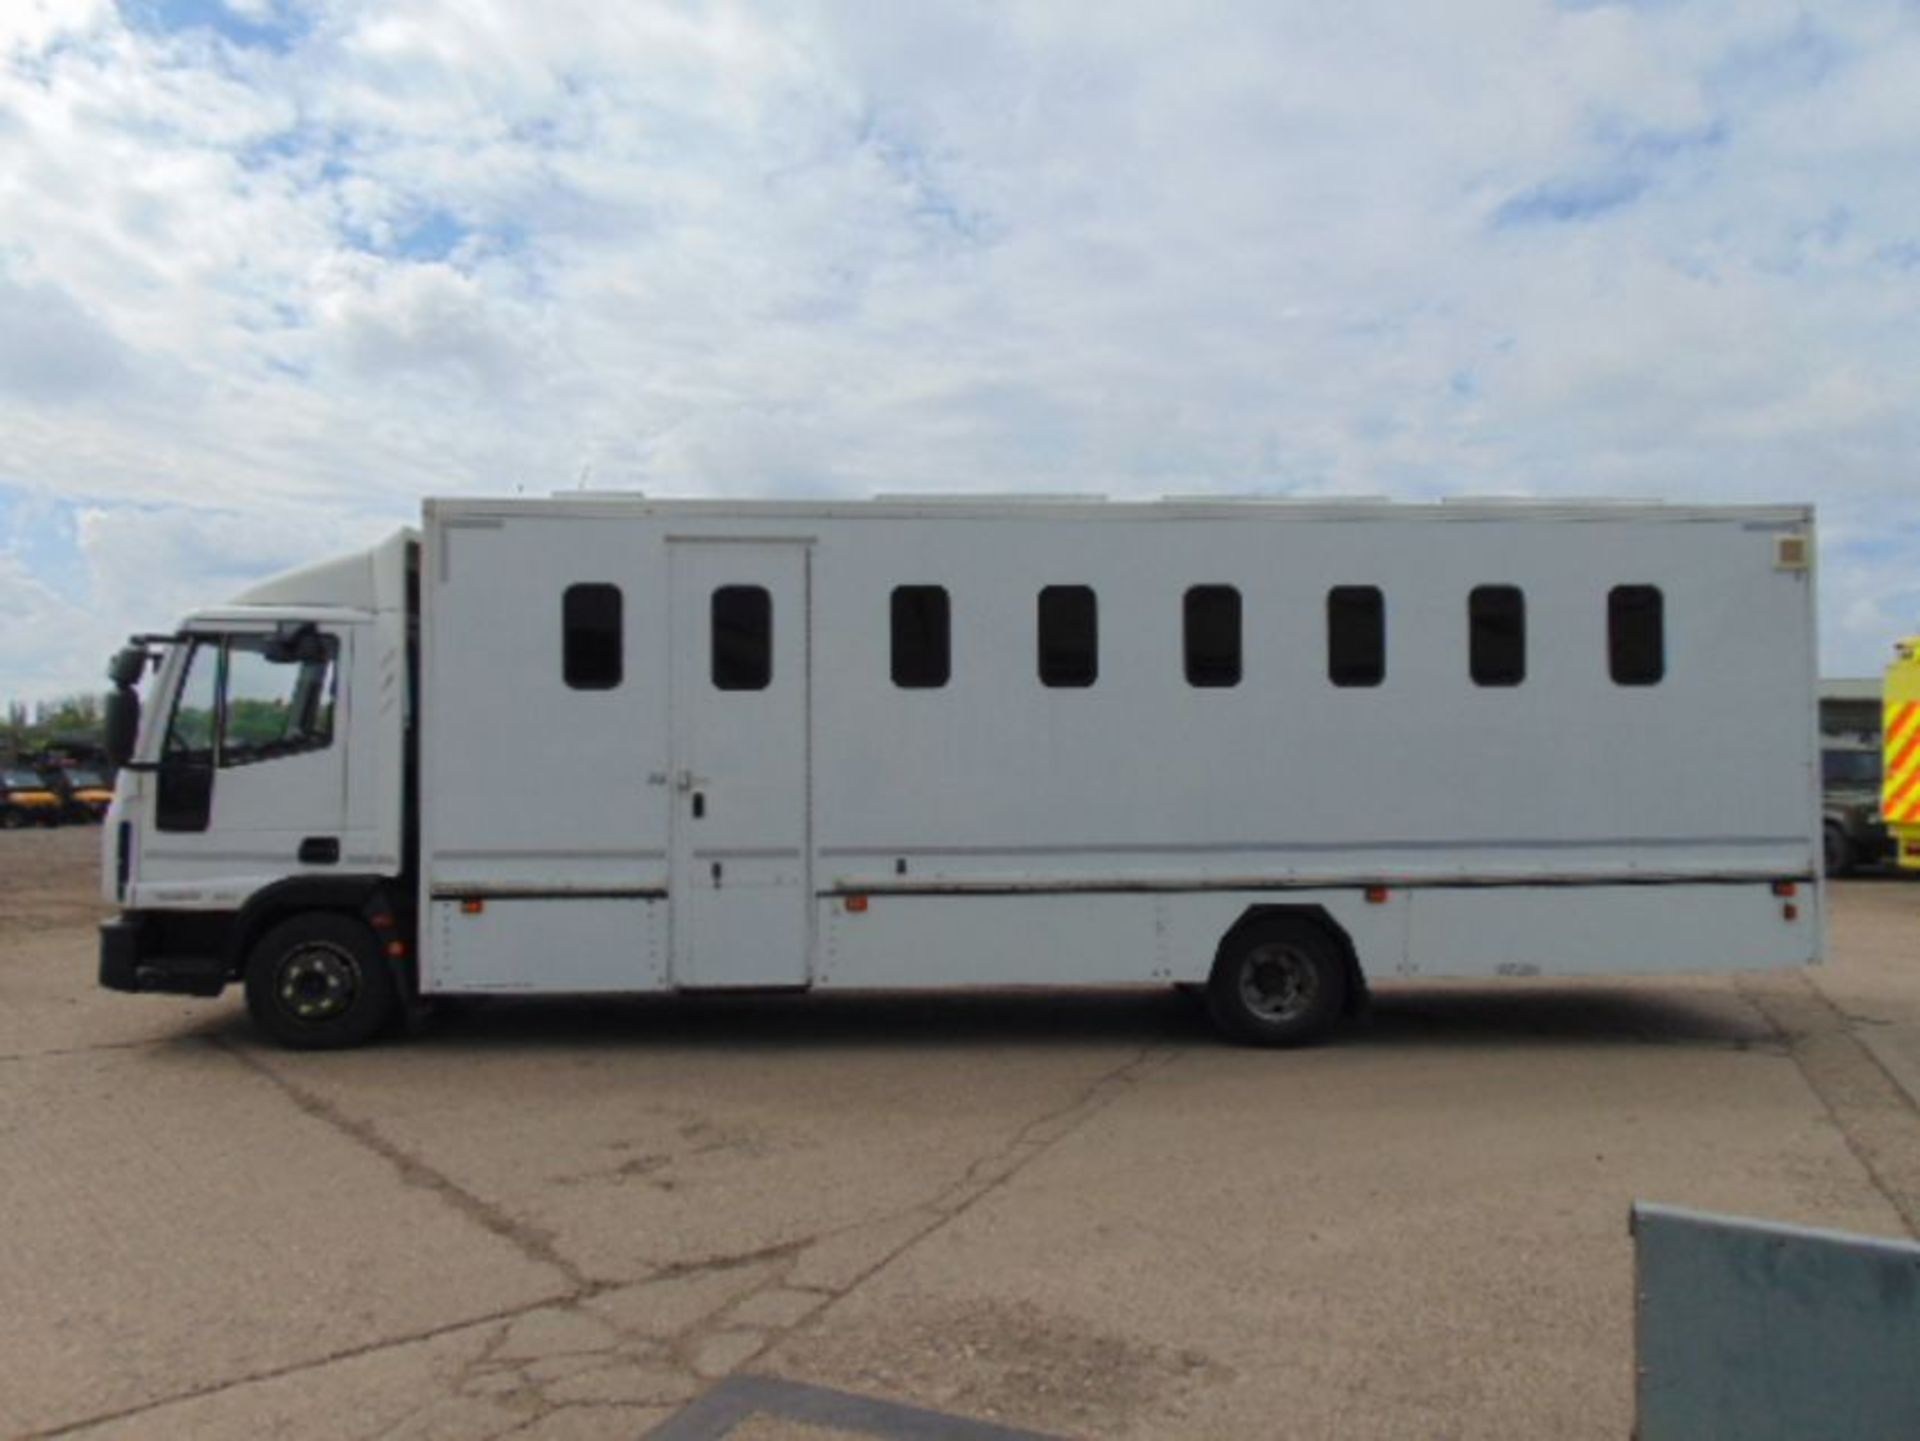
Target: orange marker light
x,y
472,906
856,904
1790,912
397,949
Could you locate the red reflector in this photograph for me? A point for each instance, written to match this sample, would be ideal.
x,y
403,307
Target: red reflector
x,y
381,922
1376,895
1785,888
856,904
472,906
396,949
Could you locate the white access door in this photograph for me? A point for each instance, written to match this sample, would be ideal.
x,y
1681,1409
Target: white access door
x,y
741,869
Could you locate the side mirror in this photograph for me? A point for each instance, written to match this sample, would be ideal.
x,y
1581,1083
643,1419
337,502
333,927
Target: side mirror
x,y
122,722
127,666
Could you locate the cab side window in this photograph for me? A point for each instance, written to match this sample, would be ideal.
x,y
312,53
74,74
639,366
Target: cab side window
x,y
275,707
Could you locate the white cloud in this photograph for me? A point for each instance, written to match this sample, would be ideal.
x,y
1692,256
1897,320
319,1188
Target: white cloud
x,y
322,261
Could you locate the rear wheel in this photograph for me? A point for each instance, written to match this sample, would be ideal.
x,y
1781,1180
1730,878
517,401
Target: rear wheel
x,y
1279,982
319,982
11,819
1838,851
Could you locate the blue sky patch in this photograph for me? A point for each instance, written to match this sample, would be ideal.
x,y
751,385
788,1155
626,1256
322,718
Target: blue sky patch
x,y
1569,201
279,33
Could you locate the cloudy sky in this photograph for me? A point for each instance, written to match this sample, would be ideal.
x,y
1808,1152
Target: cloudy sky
x,y
270,271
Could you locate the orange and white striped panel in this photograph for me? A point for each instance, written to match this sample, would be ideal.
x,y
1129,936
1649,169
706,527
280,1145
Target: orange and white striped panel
x,y
1900,787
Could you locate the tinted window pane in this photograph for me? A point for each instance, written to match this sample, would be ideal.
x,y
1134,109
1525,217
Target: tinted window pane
x,y
1356,635
1213,635
921,659
1069,636
1497,620
742,637
1636,635
590,628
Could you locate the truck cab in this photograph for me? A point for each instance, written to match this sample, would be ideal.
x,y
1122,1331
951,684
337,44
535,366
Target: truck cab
x,y
261,788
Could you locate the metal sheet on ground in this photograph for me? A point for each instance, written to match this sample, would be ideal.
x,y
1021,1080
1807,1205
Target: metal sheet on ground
x,y
766,1406
1770,1332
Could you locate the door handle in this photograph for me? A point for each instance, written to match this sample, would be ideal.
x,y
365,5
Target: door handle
x,y
320,851
699,805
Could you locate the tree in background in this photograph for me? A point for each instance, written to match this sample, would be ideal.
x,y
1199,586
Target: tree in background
x,y
71,720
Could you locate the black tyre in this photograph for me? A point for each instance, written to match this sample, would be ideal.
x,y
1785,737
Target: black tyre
x,y
1278,983
1838,851
11,819
319,982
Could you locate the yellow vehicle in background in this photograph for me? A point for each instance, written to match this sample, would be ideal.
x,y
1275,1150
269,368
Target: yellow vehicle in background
x,y
1900,776
27,800
84,793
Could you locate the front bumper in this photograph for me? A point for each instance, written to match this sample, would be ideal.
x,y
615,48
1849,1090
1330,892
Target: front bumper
x,y
129,961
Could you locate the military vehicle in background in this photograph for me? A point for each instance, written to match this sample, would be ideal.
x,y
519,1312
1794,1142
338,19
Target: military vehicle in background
x,y
1852,832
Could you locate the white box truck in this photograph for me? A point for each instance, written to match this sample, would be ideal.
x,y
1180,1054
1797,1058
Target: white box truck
x,y
1278,751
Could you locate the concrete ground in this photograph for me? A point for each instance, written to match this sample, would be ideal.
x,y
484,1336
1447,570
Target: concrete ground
x,y
1072,1214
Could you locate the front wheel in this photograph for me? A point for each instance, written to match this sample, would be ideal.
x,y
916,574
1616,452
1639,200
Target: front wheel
x,y
319,982
1279,982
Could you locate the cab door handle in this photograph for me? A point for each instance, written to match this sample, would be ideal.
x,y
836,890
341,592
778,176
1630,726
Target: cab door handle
x,y
320,851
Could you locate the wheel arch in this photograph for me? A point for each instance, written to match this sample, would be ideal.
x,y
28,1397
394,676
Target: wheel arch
x,y
377,900
1322,920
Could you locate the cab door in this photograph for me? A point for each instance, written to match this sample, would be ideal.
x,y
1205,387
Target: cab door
x,y
250,783
741,869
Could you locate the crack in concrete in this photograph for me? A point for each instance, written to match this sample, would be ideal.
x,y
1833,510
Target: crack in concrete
x,y
959,1197
1860,1096
536,1245
275,1373
57,1051
652,1370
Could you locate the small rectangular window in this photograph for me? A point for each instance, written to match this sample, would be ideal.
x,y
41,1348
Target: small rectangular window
x,y
1356,635
590,648
922,658
1497,626
1069,632
1213,635
1636,635
742,637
